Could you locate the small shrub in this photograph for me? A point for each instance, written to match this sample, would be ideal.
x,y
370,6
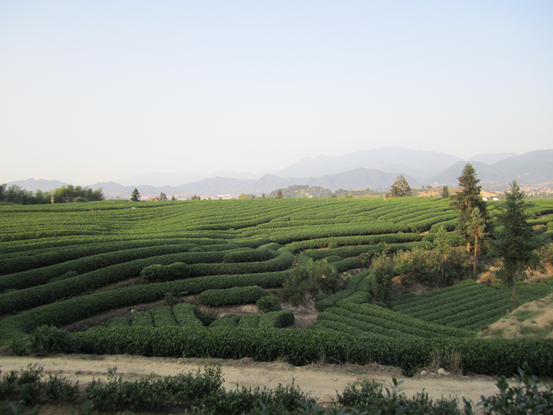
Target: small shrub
x,y
267,304
44,340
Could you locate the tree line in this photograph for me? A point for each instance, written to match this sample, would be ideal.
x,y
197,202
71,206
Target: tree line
x,y
65,194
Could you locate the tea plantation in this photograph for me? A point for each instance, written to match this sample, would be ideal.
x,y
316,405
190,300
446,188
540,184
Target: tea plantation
x,y
60,264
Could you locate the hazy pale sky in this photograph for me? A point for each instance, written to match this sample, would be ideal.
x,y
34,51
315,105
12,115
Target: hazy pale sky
x,y
102,90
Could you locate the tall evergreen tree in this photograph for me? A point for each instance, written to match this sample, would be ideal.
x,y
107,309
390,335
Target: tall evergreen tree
x,y
445,192
516,241
135,196
465,201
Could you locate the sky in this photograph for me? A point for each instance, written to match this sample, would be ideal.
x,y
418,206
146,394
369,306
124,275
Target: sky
x,y
103,90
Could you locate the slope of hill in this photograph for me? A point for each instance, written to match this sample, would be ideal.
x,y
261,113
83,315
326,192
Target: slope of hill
x,y
387,159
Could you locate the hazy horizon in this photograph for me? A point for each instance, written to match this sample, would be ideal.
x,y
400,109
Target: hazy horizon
x,y
93,92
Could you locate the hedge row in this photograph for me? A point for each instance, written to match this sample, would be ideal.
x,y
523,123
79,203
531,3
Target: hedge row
x,y
163,316
78,308
161,273
100,262
446,296
117,322
48,293
409,299
249,321
365,325
276,319
141,319
346,264
227,321
355,240
249,255
407,323
231,296
425,225
187,315
25,261
373,228
301,347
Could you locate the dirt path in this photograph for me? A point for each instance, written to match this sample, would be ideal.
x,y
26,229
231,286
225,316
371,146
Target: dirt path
x,y
320,381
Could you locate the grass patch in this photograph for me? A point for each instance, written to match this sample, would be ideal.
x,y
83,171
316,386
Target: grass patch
x,y
523,315
539,332
498,333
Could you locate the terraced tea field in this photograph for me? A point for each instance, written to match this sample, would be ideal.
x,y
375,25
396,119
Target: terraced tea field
x,y
60,264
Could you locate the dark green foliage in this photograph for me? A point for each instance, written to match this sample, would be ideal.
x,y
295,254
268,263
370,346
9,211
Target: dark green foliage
x,y
268,303
207,318
44,340
27,387
249,255
301,347
467,305
529,396
230,296
515,242
371,399
333,258
400,188
381,274
187,315
162,273
277,319
310,278
141,319
227,321
346,264
135,195
249,321
118,322
163,317
154,394
466,200
64,312
68,274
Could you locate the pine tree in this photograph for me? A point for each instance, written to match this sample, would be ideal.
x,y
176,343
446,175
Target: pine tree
x,y
135,196
445,192
400,188
516,241
465,201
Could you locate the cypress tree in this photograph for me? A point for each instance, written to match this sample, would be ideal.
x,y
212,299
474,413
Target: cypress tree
x,y
465,201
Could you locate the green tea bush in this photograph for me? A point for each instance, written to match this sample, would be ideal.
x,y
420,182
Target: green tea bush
x,y
249,255
267,304
162,273
277,319
207,318
229,296
227,321
187,315
249,321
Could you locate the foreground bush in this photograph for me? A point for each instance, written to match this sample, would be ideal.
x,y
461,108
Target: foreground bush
x,y
229,296
204,391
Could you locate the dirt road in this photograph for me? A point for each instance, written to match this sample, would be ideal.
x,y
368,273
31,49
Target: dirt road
x,y
320,381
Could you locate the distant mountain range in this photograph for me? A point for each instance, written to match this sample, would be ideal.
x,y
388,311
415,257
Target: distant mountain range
x,y
374,169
